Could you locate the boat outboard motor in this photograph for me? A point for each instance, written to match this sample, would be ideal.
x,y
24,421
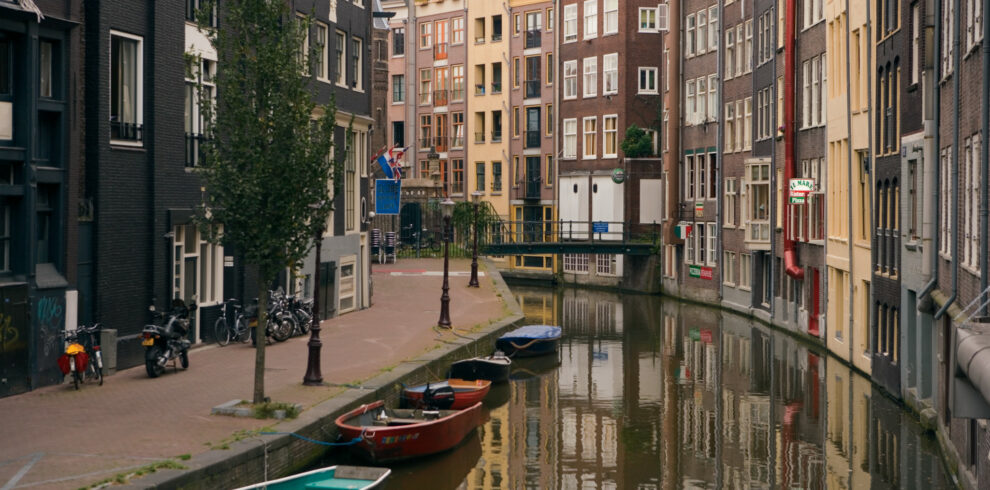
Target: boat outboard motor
x,y
439,398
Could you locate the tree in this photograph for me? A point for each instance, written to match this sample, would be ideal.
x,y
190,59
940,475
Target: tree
x,y
266,158
638,143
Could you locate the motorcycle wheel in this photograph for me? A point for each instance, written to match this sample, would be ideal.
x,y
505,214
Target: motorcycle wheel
x,y
154,369
221,331
283,328
184,359
305,326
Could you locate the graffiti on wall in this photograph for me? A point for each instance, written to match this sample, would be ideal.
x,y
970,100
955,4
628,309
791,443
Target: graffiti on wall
x,y
10,336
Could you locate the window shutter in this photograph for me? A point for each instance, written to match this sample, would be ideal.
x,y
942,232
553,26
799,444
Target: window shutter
x,y
663,17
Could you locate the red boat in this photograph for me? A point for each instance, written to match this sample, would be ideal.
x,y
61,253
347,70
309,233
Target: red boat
x,y
390,435
465,393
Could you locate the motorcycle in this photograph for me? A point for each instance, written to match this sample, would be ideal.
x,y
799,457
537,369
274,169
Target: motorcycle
x,y
167,342
302,310
281,321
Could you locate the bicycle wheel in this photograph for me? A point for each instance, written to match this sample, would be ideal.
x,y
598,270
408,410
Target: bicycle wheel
x,y
242,330
76,375
222,331
93,371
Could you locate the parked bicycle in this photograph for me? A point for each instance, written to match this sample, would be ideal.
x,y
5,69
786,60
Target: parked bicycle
x,y
83,358
232,324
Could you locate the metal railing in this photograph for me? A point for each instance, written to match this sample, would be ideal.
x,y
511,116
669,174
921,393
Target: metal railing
x,y
440,97
533,184
534,38
440,51
126,131
532,139
496,136
532,88
615,234
479,89
479,137
496,87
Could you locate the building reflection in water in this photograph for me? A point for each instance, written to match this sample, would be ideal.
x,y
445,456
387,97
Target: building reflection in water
x,y
652,393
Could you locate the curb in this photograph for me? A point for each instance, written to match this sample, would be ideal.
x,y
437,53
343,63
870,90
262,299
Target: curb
x,y
259,458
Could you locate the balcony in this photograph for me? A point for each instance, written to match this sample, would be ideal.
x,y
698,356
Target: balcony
x,y
479,89
532,139
457,94
479,137
441,143
425,143
533,186
440,97
496,136
534,38
496,87
439,51
532,89
194,149
126,131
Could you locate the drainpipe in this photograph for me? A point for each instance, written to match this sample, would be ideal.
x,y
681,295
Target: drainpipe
x,y
790,254
932,173
849,200
955,170
719,138
985,163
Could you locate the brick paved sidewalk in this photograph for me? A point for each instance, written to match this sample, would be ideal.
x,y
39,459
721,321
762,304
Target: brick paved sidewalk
x,y
56,437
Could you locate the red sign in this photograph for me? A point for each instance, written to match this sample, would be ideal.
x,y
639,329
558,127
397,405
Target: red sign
x,y
706,273
706,336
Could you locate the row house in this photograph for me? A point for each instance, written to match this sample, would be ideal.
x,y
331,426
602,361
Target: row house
x,y
531,145
41,141
603,92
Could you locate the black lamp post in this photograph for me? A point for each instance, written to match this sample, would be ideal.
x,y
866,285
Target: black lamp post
x,y
447,208
473,283
314,375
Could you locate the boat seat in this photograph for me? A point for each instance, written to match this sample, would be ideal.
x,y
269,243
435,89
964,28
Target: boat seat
x,y
401,421
338,484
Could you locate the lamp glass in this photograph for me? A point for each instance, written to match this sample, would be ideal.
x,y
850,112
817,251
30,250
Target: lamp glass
x,y
447,208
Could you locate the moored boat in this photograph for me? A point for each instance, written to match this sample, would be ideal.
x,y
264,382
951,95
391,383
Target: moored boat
x,y
460,395
531,340
385,434
331,477
495,368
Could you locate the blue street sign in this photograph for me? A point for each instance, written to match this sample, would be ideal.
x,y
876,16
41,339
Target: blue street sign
x,y
387,192
599,227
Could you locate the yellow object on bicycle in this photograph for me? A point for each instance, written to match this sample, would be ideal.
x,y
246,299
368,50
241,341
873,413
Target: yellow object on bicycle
x,y
74,349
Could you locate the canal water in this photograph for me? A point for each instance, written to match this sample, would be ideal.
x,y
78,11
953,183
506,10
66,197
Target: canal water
x,y
651,393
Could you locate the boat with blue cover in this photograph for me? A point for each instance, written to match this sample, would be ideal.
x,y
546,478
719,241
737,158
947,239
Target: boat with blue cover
x,y
329,478
530,341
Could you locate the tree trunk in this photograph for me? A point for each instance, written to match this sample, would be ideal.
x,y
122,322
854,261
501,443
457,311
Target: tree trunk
x,y
260,340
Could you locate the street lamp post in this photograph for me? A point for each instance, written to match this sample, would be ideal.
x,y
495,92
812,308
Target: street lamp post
x,y
314,375
447,207
473,283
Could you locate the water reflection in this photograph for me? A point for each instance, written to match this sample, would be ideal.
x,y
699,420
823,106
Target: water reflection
x,y
654,394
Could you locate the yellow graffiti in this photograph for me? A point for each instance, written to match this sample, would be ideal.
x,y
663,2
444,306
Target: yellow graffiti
x,y
9,336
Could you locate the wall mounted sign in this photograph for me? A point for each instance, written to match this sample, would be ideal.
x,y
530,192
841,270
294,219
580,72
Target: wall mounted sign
x,y
618,175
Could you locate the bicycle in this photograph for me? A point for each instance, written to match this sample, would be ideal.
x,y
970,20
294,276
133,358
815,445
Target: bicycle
x,y
222,328
83,358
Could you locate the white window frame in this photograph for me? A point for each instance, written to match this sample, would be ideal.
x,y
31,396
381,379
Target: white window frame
x,y
347,284
712,98
570,138
323,68
945,198
340,63
729,268
585,155
748,46
729,203
651,80
576,263
610,71
745,271
590,80
138,91
570,23
689,102
712,260
399,81
689,39
713,32
570,80
701,45
612,134
358,81
611,19
648,19
590,19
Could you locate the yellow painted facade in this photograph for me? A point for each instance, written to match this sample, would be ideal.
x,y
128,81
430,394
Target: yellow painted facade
x,y
848,185
487,114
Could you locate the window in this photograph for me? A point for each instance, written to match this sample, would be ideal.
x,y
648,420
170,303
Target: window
x,y
496,176
945,196
590,136
549,68
813,112
457,125
398,41
341,48
729,268
813,12
712,245
648,80
570,23
550,170
916,43
730,53
549,123
321,64
47,68
590,19
496,28
748,47
610,136
702,32
425,131
756,202
971,171
199,269
570,138
699,106
515,122
712,98
570,79
458,31
605,265
457,176
610,67
516,24
348,286
550,19
356,64
713,27
612,16
730,121
425,35
516,72
590,77
303,55
729,203
745,271
748,123
689,38
689,178
647,19
576,263
398,89
457,80
689,103
425,85
702,161
479,170
126,69
948,11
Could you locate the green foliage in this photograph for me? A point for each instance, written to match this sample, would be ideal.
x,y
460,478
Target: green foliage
x,y
638,143
265,159
267,410
463,220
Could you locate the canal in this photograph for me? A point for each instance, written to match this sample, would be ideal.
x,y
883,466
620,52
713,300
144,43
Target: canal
x,y
652,393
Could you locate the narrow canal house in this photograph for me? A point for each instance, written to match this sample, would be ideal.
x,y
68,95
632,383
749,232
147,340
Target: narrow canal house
x,y
738,55
603,92
699,144
41,140
669,21
532,166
